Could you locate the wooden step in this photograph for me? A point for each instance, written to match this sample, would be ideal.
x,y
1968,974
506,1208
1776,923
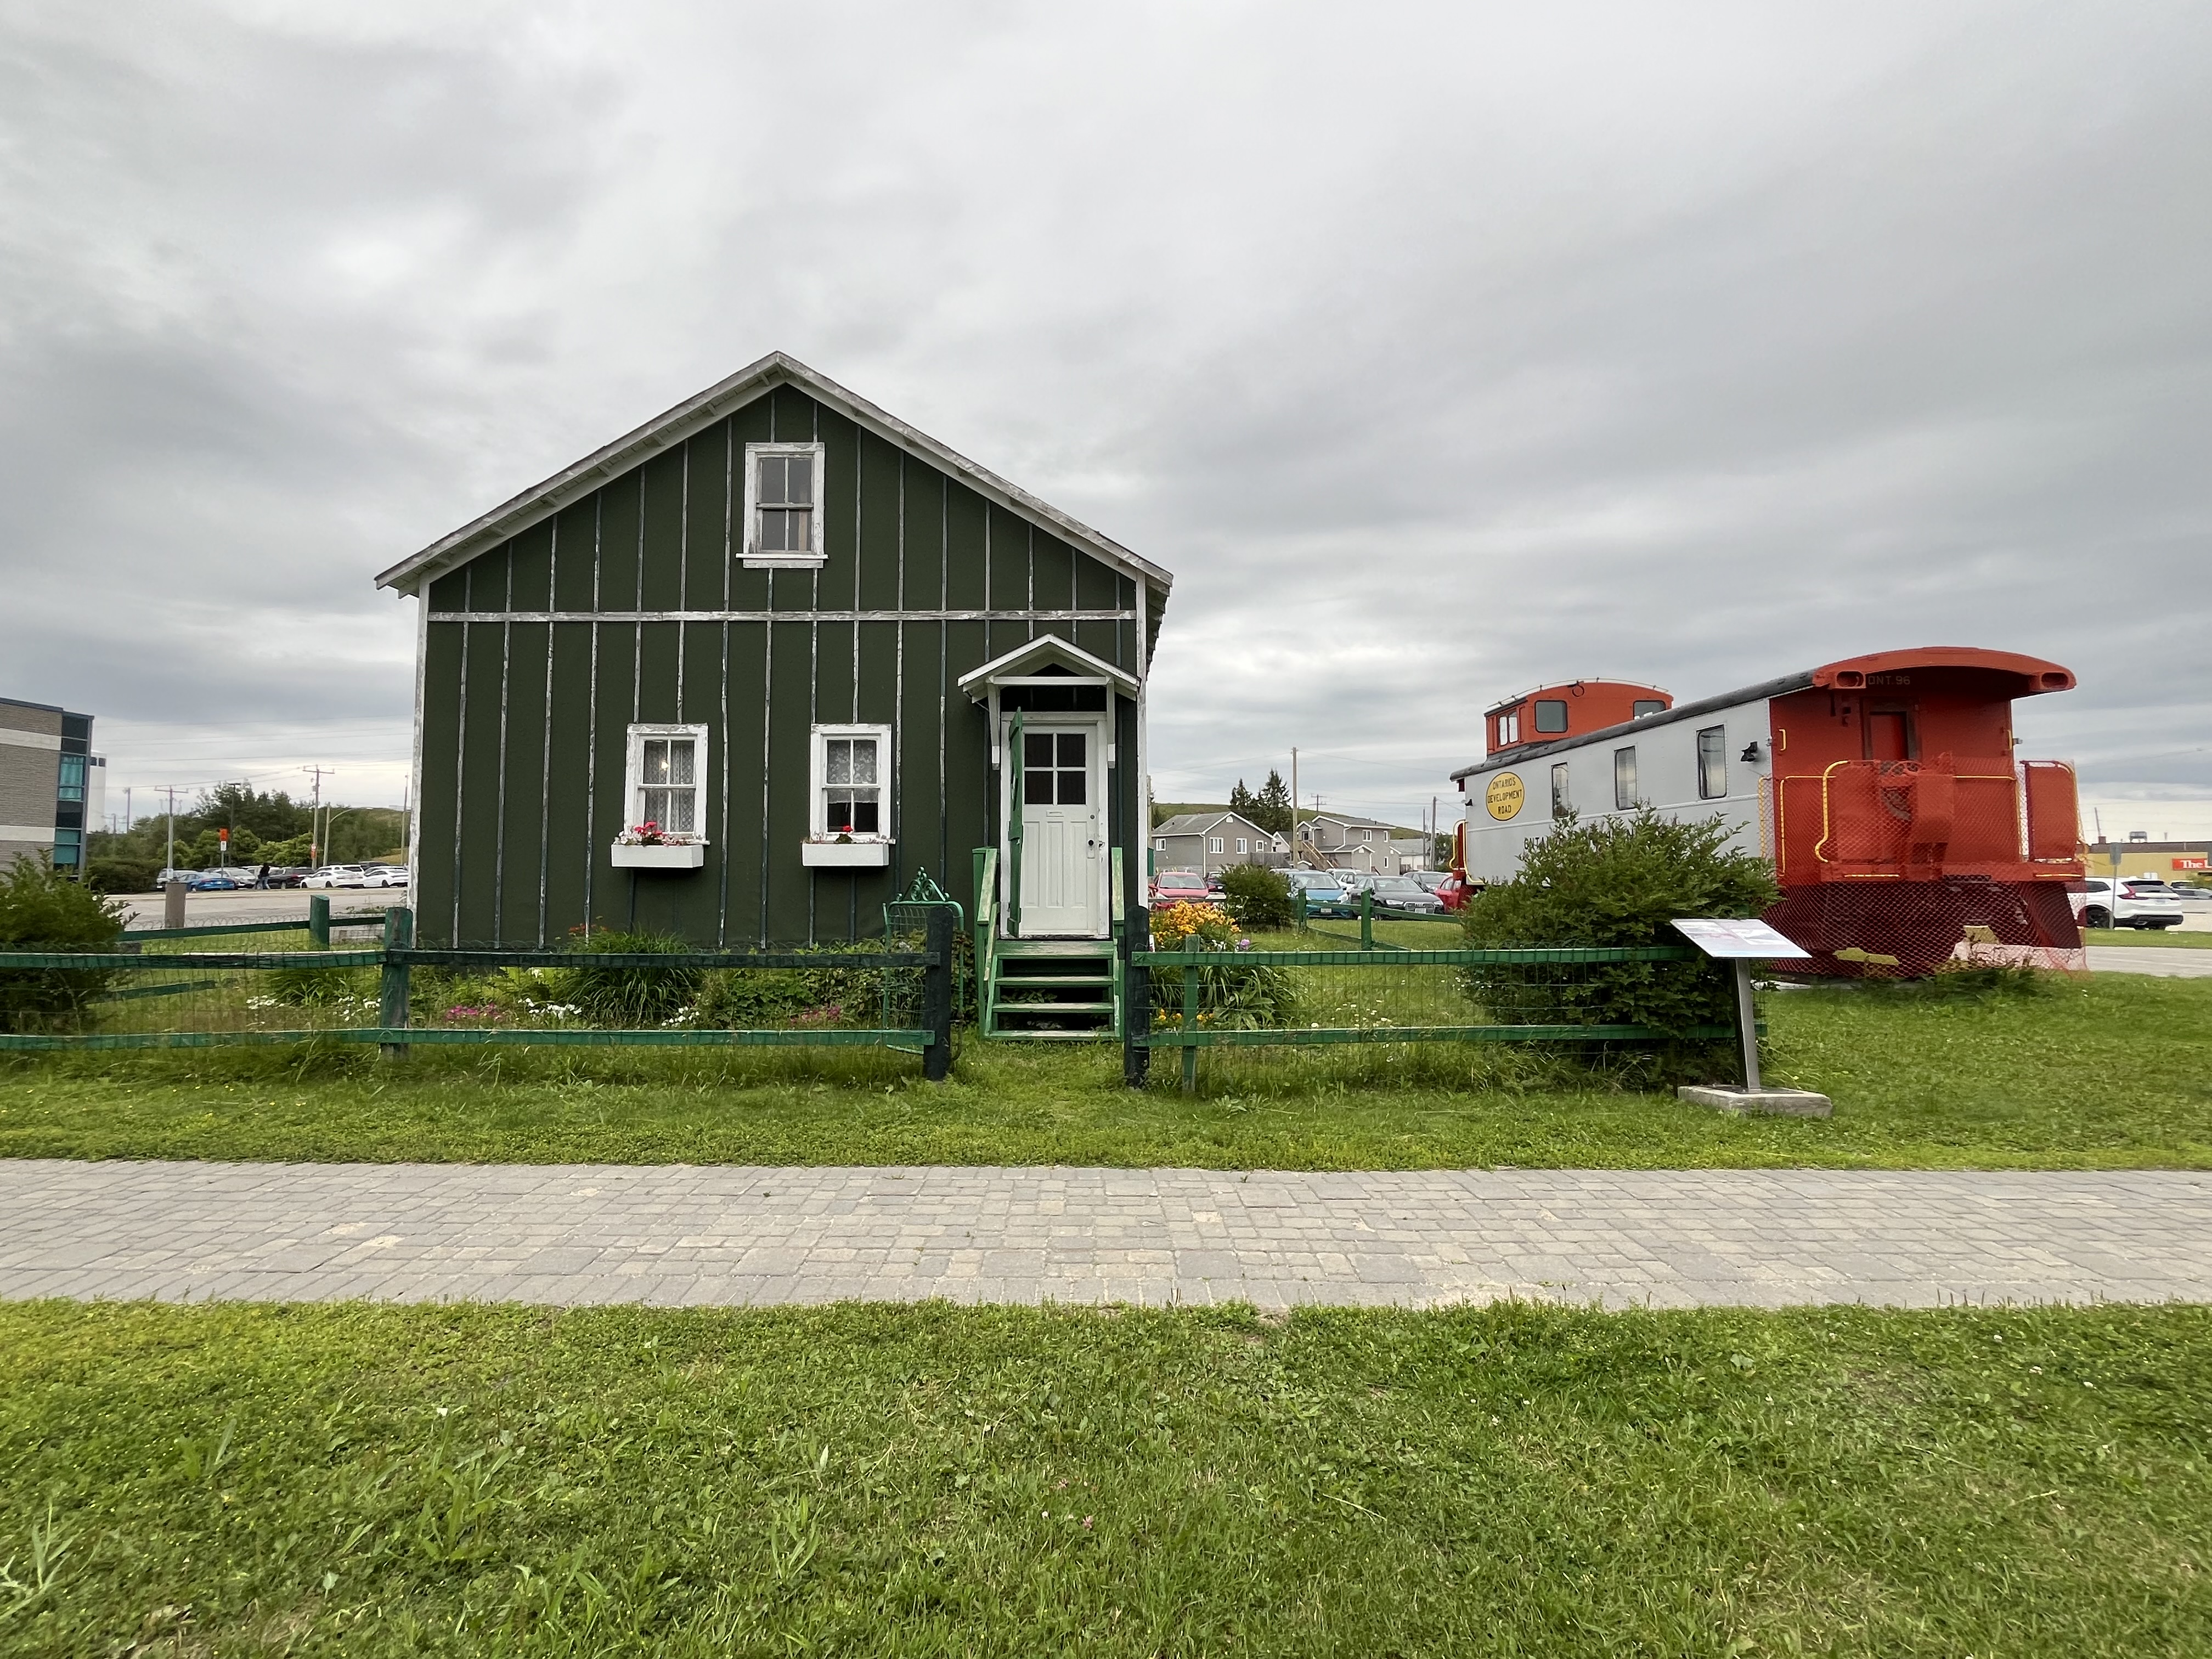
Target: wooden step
x,y
1006,980
1054,1008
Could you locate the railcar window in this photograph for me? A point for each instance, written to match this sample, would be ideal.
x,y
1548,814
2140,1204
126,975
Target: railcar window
x,y
1712,763
1551,714
1561,801
1644,706
1624,779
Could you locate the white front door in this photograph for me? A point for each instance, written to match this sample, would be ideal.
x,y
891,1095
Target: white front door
x,y
1064,862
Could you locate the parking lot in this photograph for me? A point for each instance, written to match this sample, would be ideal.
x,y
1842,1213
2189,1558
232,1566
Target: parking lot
x,y
282,904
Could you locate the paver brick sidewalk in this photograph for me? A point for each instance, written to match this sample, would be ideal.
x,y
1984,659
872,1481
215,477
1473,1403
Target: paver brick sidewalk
x,y
683,1235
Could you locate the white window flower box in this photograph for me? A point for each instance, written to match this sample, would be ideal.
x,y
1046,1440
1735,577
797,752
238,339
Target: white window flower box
x,y
844,855
679,855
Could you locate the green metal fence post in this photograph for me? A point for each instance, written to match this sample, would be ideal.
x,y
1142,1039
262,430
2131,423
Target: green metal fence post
x,y
392,1012
1189,1026
318,919
1298,898
1367,917
937,993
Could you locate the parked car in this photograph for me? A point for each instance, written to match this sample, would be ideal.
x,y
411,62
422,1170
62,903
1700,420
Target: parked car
x,y
1429,879
2188,893
288,876
2131,901
1404,893
1324,893
213,881
1180,887
384,875
1453,892
337,875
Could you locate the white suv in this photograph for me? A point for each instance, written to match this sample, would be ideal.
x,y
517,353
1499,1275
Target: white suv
x,y
2130,901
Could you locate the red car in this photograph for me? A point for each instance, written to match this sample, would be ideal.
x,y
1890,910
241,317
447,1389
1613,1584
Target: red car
x,y
1182,887
1453,890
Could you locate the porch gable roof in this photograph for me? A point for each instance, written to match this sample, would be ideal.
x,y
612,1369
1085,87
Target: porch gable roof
x,y
1046,650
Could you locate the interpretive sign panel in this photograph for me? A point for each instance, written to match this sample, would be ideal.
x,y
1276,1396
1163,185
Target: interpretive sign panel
x,y
1728,938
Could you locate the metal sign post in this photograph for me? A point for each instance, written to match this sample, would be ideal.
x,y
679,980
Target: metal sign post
x,y
1739,942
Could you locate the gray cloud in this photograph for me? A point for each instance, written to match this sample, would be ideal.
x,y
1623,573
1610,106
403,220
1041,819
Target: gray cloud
x,y
1439,351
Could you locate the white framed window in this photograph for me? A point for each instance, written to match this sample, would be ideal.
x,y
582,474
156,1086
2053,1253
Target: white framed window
x,y
783,506
666,780
850,774
1624,779
1509,728
1213,843
1244,845
1159,844
1562,798
1367,835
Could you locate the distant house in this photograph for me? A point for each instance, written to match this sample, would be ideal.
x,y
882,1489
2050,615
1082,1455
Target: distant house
x,y
1207,841
1339,841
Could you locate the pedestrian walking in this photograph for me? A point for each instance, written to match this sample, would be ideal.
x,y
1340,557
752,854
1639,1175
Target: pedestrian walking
x,y
261,878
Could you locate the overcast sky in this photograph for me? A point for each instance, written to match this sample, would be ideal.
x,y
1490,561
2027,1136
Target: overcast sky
x,y
1439,351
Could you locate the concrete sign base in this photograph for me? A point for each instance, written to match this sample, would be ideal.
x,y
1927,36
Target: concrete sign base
x,y
1789,1102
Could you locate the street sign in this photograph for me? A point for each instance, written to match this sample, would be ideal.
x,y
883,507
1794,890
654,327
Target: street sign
x,y
1730,939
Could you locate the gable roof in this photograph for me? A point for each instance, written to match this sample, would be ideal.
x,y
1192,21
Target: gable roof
x,y
1050,651
541,500
1350,818
1197,823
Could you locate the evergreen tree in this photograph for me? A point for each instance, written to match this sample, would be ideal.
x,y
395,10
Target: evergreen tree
x,y
1240,800
1271,808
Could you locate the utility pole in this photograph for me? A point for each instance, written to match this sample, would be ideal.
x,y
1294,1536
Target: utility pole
x,y
1297,857
170,863
314,812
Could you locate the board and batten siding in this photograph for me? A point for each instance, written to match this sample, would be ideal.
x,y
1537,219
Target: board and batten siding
x,y
632,605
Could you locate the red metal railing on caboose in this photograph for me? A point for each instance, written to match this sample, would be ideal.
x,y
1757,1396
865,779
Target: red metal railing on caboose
x,y
1865,820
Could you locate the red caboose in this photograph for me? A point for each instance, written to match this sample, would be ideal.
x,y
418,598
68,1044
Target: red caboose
x,y
1883,788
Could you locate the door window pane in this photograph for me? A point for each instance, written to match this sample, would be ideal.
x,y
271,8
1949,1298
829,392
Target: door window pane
x,y
1624,779
1036,785
1561,801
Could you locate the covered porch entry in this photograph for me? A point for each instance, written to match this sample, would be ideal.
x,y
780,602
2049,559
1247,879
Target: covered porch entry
x,y
1050,890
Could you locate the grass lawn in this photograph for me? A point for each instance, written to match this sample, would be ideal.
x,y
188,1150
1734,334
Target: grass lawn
x,y
2173,936
936,1480
2106,1072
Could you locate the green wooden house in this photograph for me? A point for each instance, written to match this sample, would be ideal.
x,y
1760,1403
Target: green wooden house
x,y
747,671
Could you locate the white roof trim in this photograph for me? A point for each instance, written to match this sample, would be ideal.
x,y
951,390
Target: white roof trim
x,y
542,500
977,681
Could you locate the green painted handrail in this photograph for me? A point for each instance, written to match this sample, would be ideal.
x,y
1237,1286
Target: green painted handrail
x,y
1015,773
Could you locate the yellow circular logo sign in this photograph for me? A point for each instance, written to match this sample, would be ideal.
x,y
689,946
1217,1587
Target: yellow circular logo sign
x,y
1505,795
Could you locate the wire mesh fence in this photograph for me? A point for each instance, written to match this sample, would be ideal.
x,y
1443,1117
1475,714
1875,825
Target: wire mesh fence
x,y
274,986
1404,982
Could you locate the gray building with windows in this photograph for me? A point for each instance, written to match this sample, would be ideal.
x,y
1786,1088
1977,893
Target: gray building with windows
x,y
50,783
1210,842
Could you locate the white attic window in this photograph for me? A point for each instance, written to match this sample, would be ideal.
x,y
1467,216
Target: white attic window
x,y
783,506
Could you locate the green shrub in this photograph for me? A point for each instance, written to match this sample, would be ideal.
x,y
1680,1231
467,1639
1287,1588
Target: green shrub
x,y
753,999
632,997
317,988
120,875
1258,897
42,909
1621,881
